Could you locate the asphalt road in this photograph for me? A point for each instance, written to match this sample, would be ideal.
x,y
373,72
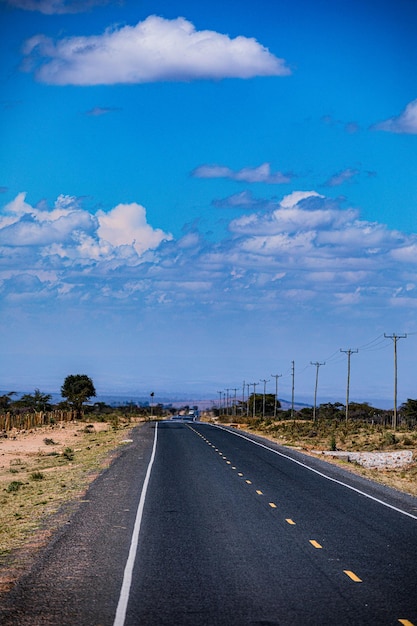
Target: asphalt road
x,y
232,533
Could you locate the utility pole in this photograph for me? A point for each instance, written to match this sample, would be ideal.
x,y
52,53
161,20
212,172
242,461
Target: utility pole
x,y
395,338
227,401
247,402
349,353
220,402
254,398
243,395
317,366
234,406
263,399
276,376
292,392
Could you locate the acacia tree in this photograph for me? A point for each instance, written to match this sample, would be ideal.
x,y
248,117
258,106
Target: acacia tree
x,y
6,400
77,389
37,401
408,411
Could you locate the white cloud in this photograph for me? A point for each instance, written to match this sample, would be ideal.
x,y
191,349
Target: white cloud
x,y
67,234
126,225
297,212
260,174
295,197
156,49
27,226
405,123
304,249
52,7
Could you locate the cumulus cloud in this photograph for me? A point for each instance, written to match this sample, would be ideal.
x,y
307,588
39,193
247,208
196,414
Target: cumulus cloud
x,y
154,50
261,174
52,7
67,231
126,225
306,248
405,123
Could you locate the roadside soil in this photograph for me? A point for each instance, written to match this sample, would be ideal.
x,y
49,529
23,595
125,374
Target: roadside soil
x,y
44,474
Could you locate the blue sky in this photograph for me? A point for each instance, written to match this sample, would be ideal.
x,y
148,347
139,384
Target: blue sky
x,y
195,195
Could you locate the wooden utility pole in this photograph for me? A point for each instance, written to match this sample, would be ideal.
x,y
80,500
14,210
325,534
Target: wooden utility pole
x,y
263,398
395,338
276,376
234,407
247,402
243,395
317,366
292,391
254,399
349,353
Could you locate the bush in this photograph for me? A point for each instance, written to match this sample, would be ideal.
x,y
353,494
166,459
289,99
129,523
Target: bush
x,y
36,475
14,486
68,454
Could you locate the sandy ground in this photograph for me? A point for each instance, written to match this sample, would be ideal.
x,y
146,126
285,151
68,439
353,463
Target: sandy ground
x,y
22,445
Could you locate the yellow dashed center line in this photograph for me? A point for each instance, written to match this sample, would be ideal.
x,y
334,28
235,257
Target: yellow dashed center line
x,y
314,543
352,576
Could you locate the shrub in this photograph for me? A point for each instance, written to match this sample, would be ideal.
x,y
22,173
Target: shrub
x,y
68,454
14,486
36,475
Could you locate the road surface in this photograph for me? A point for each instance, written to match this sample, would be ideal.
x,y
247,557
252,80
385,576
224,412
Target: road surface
x,y
231,530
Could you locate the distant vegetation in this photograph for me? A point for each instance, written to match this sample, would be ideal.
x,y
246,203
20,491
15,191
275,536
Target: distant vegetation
x,y
36,409
256,409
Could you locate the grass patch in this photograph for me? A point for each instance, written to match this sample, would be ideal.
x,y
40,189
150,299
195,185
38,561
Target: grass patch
x,y
14,486
37,475
23,507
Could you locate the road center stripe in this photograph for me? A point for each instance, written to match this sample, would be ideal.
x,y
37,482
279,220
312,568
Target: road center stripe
x,y
311,469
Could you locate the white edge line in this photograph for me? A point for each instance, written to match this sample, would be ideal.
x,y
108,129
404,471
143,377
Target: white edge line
x,y
119,620
311,469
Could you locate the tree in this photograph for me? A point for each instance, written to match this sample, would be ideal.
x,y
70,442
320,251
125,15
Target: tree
x,y
37,401
408,411
269,403
77,389
6,400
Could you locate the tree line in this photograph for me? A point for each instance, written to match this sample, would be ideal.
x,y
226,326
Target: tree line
x,y
76,390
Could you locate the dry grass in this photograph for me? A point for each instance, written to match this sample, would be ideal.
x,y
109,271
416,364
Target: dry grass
x,y
41,470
